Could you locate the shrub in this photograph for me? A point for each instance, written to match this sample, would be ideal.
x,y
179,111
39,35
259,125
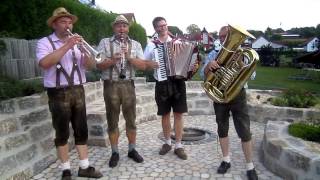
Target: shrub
x,y
10,88
93,75
296,98
305,131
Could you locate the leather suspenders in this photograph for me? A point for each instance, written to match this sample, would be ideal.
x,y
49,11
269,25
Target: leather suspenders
x,y
60,69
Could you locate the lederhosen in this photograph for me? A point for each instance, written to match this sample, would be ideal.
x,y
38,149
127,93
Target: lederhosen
x,y
67,104
118,93
170,93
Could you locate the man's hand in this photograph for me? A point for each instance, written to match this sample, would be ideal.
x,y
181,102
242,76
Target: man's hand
x,y
213,65
152,64
116,58
73,40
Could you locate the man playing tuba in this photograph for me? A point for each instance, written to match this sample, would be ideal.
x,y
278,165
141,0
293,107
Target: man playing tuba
x,y
238,107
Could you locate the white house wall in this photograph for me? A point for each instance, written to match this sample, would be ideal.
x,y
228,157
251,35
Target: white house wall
x,y
312,45
257,44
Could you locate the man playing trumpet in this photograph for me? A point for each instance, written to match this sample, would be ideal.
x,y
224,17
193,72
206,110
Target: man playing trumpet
x,y
122,56
64,67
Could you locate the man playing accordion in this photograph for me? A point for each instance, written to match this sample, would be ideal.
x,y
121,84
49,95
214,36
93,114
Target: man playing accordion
x,y
170,89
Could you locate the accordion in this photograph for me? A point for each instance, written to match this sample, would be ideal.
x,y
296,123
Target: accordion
x,y
174,59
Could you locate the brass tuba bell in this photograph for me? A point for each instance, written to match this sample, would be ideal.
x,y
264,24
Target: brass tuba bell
x,y
223,84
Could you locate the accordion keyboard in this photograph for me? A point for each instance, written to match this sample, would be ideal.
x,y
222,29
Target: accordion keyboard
x,y
160,58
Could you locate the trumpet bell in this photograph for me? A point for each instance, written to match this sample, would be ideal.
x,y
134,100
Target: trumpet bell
x,y
89,49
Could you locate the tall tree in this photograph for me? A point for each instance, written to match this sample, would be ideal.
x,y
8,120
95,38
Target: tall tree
x,y
268,32
192,28
256,33
175,30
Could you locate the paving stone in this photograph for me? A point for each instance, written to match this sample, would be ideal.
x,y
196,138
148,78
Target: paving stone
x,y
203,159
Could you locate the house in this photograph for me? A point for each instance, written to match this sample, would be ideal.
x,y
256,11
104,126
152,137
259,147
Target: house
x,y
262,41
203,37
311,44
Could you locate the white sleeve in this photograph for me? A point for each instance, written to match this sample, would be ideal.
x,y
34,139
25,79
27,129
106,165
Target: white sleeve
x,y
148,52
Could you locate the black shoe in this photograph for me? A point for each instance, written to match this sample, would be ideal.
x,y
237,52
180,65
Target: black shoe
x,y
133,154
66,174
113,162
223,168
90,172
165,149
252,174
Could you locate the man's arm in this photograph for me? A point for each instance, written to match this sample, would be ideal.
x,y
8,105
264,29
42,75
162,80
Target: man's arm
x,y
107,62
139,61
89,61
54,57
143,64
210,64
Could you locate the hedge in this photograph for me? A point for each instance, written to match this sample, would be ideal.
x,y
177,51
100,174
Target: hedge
x,y
27,20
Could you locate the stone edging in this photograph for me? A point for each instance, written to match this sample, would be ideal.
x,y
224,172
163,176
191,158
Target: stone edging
x,y
287,156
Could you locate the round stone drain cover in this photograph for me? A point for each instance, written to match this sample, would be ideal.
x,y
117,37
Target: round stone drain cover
x,y
192,135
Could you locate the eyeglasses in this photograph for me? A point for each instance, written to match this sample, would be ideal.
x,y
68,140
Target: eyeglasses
x,y
162,25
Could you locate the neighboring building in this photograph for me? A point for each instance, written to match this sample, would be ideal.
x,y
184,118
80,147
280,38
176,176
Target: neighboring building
x,y
202,37
130,17
262,41
311,44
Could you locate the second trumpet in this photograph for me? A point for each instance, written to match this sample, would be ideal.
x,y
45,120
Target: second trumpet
x,y
89,49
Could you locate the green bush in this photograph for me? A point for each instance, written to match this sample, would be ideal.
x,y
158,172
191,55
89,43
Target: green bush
x,y
10,88
30,22
296,98
305,131
93,75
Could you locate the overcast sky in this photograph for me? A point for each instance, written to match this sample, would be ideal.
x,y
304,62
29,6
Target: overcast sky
x,y
212,14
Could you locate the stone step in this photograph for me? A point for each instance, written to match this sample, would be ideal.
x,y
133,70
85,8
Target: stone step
x,y
23,120
15,105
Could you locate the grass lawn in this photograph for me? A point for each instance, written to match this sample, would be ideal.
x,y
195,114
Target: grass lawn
x,y
281,78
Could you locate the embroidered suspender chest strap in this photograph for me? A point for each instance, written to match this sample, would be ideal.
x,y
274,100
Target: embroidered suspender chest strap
x,y
60,69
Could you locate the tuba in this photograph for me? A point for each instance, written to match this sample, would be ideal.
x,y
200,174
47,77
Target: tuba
x,y
223,84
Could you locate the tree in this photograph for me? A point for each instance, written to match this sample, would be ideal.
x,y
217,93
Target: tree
x,y
256,33
305,32
268,56
268,32
276,37
138,33
192,28
175,30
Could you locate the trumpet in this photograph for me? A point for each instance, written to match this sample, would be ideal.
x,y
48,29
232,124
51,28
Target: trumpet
x,y
89,49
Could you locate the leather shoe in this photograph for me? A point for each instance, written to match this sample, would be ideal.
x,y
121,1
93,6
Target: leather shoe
x,y
223,168
89,172
165,149
133,154
252,174
180,153
66,174
113,162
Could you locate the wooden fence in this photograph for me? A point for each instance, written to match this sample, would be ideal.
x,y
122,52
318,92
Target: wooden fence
x,y
19,60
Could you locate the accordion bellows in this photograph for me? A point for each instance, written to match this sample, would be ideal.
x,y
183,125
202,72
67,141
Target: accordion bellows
x,y
174,59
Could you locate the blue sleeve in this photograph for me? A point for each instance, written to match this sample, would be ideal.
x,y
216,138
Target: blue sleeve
x,y
211,57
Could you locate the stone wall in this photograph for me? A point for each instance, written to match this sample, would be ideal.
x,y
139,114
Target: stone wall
x,y
26,133
261,110
26,136
289,157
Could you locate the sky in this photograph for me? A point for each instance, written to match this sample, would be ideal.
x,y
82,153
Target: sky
x,y
212,14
